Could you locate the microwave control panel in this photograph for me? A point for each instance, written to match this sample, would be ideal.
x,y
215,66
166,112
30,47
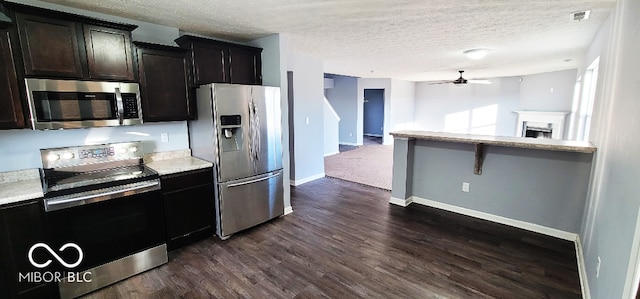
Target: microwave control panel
x,y
130,103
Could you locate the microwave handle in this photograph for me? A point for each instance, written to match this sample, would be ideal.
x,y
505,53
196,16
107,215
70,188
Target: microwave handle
x,y
120,105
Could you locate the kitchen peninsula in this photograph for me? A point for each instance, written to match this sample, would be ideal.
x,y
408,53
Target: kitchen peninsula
x,y
535,184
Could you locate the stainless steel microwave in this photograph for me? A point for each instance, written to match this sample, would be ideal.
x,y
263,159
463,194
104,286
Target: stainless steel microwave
x,y
68,104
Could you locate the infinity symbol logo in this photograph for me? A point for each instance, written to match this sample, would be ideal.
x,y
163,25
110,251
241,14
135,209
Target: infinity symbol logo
x,y
57,257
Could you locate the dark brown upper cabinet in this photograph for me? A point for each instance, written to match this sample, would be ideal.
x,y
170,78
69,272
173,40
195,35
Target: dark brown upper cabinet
x,y
245,65
108,53
165,82
56,44
215,61
11,113
49,47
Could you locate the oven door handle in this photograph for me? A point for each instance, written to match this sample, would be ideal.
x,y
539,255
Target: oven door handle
x,y
64,202
120,105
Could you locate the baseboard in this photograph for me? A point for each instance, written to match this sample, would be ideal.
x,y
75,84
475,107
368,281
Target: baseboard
x,y
288,210
331,154
582,270
306,180
349,143
373,135
400,202
498,219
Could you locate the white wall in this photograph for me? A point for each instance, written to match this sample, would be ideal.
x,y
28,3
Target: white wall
x,y
20,149
549,92
331,130
403,95
308,91
343,97
367,83
472,108
611,216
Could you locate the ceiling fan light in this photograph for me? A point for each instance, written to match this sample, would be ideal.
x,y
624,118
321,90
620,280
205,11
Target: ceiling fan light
x,y
476,53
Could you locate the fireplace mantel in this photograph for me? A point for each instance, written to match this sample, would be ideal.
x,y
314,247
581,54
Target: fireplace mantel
x,y
556,119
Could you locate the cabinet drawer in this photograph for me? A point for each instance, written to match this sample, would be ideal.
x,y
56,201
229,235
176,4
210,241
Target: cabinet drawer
x,y
178,181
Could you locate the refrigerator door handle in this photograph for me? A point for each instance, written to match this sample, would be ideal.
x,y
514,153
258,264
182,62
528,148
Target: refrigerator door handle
x,y
254,180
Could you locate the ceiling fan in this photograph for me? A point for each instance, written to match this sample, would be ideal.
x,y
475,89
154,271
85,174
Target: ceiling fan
x,y
462,81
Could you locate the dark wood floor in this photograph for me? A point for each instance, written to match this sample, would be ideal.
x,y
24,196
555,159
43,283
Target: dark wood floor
x,y
344,240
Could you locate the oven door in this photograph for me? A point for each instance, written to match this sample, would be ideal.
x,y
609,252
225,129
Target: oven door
x,y
107,230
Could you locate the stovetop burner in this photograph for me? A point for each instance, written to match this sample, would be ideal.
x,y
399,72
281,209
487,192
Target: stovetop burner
x,y
66,182
79,169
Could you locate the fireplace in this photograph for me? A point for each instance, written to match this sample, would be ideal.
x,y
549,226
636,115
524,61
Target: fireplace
x,y
540,124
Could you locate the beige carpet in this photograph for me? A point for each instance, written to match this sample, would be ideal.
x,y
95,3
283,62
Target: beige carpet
x,y
369,165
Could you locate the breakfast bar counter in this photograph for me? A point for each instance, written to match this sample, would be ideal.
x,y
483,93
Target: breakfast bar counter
x,y
519,142
535,184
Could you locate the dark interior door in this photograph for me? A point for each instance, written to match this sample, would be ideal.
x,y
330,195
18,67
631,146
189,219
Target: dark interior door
x,y
373,112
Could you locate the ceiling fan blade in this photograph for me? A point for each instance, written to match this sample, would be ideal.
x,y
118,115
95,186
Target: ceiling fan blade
x,y
439,82
479,81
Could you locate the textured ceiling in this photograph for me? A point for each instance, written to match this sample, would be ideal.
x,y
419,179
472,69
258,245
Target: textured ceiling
x,y
417,40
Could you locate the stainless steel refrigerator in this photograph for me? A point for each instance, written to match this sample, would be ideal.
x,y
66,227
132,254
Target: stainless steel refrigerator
x,y
238,129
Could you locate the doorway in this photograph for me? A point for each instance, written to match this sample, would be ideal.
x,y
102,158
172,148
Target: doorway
x,y
292,154
373,116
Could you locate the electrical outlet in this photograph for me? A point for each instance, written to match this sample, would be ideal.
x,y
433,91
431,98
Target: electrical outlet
x,y
598,268
350,134
465,187
306,120
164,137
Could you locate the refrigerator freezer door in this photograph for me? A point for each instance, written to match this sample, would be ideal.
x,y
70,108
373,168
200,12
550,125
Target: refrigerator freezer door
x,y
249,202
253,147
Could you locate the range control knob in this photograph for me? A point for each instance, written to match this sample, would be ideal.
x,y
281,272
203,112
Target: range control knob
x,y
68,156
122,150
53,157
133,149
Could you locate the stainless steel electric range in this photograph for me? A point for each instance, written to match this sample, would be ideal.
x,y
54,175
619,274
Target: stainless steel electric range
x,y
103,199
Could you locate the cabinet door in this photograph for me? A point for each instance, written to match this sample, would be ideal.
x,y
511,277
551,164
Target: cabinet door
x,y
188,214
245,65
188,206
108,53
49,47
11,114
164,85
21,227
210,64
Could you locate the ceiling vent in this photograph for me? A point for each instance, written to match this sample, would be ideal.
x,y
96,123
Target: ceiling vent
x,y
580,15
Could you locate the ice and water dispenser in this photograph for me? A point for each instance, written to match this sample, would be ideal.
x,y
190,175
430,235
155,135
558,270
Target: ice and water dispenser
x,y
231,126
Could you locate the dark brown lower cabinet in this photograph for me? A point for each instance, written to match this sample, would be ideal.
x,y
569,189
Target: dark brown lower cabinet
x,y
188,206
22,226
165,83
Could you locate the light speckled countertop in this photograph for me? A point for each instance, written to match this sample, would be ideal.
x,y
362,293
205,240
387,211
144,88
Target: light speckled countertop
x,y
21,185
519,142
173,162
